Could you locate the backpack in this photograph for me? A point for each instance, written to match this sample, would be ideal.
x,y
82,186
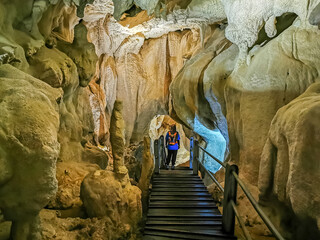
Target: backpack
x,y
173,138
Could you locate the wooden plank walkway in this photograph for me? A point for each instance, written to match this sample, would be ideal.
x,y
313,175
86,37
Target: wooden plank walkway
x,y
180,207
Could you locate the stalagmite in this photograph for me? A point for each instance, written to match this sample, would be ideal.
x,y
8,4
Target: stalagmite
x,y
117,139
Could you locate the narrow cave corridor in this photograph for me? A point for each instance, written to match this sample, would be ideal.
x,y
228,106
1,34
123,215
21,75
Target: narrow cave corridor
x,y
88,87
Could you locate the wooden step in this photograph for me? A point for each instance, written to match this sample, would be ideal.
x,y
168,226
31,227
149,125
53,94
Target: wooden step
x,y
176,182
176,176
177,190
175,173
161,185
183,219
179,222
171,204
151,237
213,229
182,212
177,169
180,207
200,235
181,198
177,179
181,179
203,194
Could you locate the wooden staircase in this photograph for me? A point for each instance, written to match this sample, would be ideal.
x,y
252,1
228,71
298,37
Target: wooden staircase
x,y
180,207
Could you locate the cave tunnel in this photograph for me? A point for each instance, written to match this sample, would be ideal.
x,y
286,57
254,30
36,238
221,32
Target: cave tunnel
x,y
87,89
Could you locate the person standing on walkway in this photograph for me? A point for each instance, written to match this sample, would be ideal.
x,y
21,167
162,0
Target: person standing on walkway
x,y
172,144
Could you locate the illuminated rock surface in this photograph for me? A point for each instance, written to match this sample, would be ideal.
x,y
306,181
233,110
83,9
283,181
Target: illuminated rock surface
x,y
283,163
233,72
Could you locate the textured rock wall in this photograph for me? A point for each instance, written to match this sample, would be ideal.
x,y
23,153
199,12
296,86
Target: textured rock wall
x,y
289,162
225,80
246,84
48,118
278,73
195,103
128,68
244,26
29,149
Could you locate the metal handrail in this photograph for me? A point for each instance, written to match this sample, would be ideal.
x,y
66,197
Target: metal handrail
x,y
212,177
216,159
256,206
254,203
242,225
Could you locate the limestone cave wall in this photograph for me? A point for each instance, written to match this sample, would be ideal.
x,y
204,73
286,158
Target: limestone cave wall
x,y
81,81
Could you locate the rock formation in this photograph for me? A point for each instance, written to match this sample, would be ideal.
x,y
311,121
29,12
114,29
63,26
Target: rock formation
x,y
106,196
45,109
314,18
279,80
291,151
29,149
146,172
117,139
81,81
70,176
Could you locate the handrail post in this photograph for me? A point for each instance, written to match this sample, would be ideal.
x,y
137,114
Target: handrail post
x,y
191,152
156,157
161,151
195,159
230,194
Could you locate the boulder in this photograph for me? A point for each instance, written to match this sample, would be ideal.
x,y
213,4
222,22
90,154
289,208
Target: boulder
x,y
29,124
289,168
70,176
108,194
55,227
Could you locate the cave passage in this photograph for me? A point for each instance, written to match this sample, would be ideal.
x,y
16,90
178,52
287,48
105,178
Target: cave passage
x,y
87,86
159,126
212,140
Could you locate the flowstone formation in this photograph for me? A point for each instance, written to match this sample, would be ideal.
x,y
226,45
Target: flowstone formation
x,y
109,194
234,72
45,121
29,149
128,68
293,138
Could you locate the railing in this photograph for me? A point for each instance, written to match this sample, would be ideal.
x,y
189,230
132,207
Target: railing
x,y
232,180
159,154
230,210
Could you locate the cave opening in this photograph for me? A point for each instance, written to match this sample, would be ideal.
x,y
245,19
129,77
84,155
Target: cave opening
x,y
87,86
211,139
159,126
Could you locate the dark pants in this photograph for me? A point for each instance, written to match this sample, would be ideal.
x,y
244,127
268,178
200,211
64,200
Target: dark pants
x,y
172,156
